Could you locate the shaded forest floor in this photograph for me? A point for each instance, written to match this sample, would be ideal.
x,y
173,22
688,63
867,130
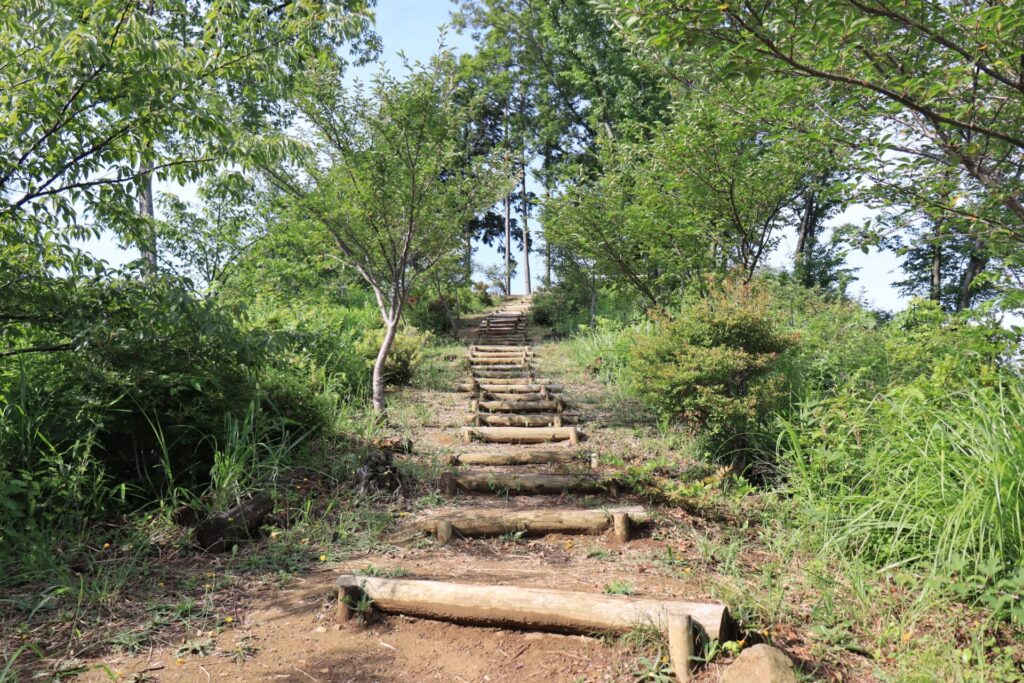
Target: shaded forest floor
x,y
266,612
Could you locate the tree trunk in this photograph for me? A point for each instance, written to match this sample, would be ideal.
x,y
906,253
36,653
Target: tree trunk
x,y
508,245
935,285
805,241
975,265
526,232
508,222
379,401
526,199
593,301
145,208
547,264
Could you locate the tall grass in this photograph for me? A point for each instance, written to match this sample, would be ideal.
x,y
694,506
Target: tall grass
x,y
914,477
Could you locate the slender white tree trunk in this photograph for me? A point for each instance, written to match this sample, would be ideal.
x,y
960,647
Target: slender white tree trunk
x,y
390,328
526,234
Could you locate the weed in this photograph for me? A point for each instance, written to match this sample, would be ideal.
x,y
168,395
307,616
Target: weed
x,y
654,670
619,588
513,536
243,650
383,572
199,647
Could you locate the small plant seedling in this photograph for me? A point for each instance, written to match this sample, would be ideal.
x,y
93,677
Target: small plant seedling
x,y
513,536
654,670
619,588
598,554
243,650
197,647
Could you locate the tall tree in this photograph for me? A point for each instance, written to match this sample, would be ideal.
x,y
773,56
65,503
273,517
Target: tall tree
x,y
392,178
709,192
100,96
942,84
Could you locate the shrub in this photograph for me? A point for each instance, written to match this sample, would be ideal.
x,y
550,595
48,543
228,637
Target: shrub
x,y
405,353
715,366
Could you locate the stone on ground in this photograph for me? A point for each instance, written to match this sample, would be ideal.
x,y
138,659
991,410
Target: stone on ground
x,y
760,664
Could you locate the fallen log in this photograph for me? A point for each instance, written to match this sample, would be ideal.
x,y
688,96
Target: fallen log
x,y
527,483
218,532
521,420
520,434
515,458
526,608
531,522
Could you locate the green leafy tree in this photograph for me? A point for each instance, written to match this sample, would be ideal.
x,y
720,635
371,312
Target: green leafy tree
x,y
710,192
938,89
392,181
99,97
205,244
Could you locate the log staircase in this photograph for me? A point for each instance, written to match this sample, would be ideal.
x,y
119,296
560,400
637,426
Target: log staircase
x,y
511,404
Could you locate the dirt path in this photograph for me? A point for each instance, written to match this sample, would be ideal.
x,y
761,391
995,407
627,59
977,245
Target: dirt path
x,y
293,635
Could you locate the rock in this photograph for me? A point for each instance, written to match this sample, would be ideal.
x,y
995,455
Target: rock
x,y
760,664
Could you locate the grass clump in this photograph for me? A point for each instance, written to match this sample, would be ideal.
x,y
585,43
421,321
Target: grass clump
x,y
915,476
619,588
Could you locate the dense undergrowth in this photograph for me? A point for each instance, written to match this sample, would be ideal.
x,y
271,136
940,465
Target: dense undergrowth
x,y
890,444
182,399
107,446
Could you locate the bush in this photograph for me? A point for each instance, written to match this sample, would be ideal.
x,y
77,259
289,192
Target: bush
x,y
406,353
715,366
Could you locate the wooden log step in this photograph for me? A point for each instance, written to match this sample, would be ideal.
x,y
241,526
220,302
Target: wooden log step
x,y
526,608
524,386
526,483
492,354
512,381
517,420
487,348
503,365
516,458
498,359
534,522
524,376
520,434
530,396
555,406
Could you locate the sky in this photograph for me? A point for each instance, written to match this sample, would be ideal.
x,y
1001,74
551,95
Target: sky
x,y
413,28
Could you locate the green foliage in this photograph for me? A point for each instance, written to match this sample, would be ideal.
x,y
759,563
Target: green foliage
x,y
404,358
715,365
619,588
707,192
390,181
879,63
919,475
